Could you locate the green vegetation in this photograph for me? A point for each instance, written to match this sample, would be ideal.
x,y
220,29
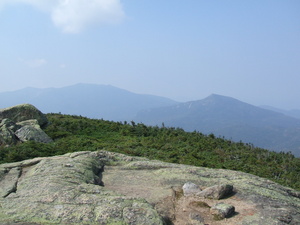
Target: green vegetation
x,y
76,133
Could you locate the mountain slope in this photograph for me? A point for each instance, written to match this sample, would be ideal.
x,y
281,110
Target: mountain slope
x,y
231,118
94,101
293,112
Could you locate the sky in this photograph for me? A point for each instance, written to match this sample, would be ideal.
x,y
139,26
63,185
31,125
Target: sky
x,y
183,50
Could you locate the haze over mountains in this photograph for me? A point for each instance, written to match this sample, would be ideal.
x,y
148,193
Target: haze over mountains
x,y
89,100
293,112
220,115
231,118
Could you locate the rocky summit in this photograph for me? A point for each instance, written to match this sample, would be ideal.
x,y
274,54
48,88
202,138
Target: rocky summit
x,y
110,188
22,123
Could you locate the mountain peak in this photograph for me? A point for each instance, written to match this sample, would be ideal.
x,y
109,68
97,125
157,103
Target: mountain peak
x,y
231,118
217,97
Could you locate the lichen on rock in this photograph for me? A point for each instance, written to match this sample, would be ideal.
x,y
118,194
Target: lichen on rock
x,y
67,190
51,191
32,133
23,112
22,123
222,210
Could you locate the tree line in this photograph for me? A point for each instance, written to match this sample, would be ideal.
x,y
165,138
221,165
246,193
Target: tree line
x,y
169,144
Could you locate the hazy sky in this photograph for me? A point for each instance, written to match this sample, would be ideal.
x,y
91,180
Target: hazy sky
x,y
184,50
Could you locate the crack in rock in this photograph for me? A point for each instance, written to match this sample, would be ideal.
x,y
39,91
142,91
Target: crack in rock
x,y
9,184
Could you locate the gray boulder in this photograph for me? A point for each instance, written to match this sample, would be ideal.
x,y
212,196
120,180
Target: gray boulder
x,y
216,191
190,188
23,112
32,133
22,123
222,210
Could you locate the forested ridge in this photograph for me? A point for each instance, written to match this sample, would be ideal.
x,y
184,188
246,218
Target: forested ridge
x,y
76,133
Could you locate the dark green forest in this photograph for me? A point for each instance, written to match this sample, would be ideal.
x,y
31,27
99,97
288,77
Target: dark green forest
x,y
76,133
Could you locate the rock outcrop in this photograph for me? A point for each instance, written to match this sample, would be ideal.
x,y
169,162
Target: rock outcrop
x,y
222,210
22,123
109,188
216,192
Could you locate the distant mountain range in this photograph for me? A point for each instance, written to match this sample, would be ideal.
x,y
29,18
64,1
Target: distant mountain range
x,y
89,100
220,115
232,119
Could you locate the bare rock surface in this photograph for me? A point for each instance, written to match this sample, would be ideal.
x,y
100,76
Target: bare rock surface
x,y
109,188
